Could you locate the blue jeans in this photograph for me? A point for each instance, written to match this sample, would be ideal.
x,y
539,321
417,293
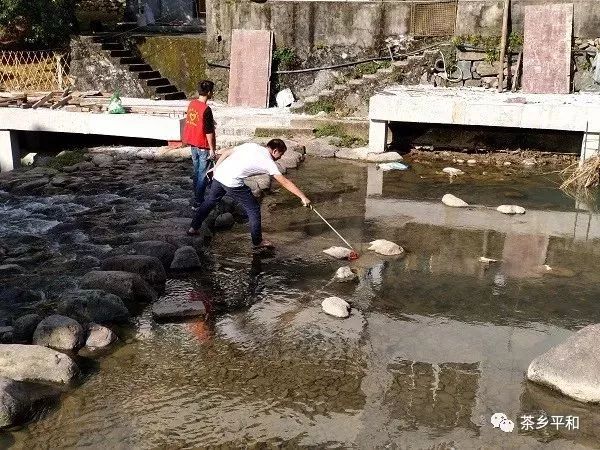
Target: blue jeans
x,y
202,164
243,195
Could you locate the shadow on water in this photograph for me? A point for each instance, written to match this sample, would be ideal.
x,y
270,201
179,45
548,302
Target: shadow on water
x,y
436,343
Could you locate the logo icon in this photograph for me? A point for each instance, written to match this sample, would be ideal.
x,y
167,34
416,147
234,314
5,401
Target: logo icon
x,y
499,420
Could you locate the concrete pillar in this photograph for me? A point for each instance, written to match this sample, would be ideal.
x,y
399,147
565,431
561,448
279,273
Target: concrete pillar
x,y
9,150
590,146
374,181
378,131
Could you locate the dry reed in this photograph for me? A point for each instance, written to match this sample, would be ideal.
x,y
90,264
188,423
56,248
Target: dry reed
x,y
576,178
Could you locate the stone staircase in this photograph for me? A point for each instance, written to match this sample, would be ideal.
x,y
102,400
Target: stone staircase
x,y
153,82
235,126
355,93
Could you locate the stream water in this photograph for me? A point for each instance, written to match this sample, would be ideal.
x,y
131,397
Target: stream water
x,y
436,343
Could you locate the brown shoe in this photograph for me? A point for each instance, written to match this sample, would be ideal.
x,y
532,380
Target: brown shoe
x,y
193,232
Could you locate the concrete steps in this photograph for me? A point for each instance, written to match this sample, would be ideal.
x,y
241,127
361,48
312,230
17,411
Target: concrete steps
x,y
367,85
156,85
226,141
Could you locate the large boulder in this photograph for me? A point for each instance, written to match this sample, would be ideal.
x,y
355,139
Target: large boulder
x,y
24,327
103,160
19,401
290,159
148,267
7,270
159,249
93,305
185,258
224,221
6,335
35,363
572,367
177,309
335,306
320,149
99,337
129,286
258,182
455,202
59,332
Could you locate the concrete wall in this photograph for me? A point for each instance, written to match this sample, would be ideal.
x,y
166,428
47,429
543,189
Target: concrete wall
x,y
485,16
305,25
320,32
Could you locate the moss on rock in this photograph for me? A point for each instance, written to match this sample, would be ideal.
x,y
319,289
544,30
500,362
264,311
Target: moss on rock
x,y
181,59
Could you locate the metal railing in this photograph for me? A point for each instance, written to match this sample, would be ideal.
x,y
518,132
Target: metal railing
x,y
42,70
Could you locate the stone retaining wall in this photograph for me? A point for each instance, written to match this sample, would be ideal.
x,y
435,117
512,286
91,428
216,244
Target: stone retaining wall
x,y
478,71
93,69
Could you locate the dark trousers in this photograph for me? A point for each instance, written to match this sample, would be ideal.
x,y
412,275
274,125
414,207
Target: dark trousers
x,y
201,165
243,195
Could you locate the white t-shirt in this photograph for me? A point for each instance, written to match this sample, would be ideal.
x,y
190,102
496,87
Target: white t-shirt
x,y
245,161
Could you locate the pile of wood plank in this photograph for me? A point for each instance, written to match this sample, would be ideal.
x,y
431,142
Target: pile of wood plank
x,y
89,101
76,101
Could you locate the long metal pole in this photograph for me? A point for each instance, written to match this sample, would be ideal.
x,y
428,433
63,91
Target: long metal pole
x,y
330,226
503,45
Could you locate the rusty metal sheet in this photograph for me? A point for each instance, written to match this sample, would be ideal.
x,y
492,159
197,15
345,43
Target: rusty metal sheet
x,y
250,68
547,49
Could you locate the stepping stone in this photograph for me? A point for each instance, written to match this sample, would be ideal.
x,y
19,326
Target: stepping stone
x,y
335,306
510,209
455,202
177,309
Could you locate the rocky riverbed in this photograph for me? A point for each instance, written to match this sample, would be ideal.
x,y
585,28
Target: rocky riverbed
x,y
436,342
83,248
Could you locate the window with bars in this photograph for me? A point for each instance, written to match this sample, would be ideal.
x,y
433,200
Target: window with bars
x,y
433,18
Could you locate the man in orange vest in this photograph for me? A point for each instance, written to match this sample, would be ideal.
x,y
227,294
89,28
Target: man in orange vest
x,y
199,133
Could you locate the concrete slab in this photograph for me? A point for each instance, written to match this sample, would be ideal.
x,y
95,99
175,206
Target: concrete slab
x,y
250,73
547,68
126,125
480,107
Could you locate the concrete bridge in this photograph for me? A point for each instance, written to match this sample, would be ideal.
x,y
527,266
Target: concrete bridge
x,y
480,107
161,120
15,120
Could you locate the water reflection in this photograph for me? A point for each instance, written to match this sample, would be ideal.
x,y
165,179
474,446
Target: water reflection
x,y
521,243
437,341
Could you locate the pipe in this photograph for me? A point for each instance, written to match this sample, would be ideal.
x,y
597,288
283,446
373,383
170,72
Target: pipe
x,y
503,45
338,66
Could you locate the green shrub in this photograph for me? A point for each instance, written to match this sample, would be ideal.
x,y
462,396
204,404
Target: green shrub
x,y
328,130
36,23
321,105
347,141
67,158
490,44
341,139
285,59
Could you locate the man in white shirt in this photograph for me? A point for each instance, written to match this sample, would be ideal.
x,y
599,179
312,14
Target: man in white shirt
x,y
231,169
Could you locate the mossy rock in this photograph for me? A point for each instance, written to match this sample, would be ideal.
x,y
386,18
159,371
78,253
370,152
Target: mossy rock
x,y
181,59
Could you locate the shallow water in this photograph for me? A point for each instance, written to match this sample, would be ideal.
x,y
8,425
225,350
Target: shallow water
x,y
435,345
